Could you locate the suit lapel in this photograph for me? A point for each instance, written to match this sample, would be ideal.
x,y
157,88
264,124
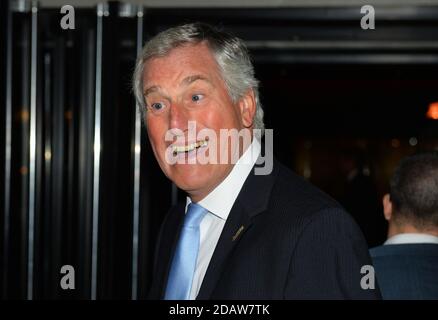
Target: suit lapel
x,y
252,200
236,225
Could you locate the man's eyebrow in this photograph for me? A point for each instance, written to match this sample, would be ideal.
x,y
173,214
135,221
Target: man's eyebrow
x,y
150,90
190,79
186,81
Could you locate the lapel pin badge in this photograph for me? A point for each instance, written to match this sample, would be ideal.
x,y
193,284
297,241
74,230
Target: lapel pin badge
x,y
238,233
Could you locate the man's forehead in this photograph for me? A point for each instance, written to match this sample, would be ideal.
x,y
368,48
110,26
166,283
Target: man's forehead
x,y
182,68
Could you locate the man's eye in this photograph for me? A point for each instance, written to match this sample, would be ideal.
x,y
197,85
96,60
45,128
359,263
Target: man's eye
x,y
197,97
157,106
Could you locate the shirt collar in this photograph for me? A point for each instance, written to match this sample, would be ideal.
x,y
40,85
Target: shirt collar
x,y
220,201
404,238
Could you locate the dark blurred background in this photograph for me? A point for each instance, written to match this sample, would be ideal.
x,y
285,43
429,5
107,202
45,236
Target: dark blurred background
x,y
346,104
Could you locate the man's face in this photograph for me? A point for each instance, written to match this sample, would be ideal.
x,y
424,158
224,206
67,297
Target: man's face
x,y
186,85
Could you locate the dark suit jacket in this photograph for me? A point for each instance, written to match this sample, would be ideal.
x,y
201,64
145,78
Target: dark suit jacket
x,y
296,243
407,271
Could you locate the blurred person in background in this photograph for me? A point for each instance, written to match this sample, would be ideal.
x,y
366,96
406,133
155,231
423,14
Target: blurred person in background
x,y
406,264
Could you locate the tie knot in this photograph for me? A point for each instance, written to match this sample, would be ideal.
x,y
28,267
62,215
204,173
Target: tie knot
x,y
194,215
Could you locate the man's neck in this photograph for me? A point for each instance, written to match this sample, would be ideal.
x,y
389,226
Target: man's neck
x,y
395,229
197,196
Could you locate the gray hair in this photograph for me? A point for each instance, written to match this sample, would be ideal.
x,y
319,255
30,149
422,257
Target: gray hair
x,y
229,51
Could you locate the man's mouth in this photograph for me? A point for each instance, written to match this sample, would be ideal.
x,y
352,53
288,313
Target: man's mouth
x,y
190,147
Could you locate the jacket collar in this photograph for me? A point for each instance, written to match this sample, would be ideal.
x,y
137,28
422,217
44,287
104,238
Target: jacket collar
x,y
252,201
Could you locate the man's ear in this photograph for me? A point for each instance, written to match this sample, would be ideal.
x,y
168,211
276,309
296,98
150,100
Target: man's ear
x,y
247,108
387,207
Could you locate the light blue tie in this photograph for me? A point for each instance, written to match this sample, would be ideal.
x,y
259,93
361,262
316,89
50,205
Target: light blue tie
x,y
184,261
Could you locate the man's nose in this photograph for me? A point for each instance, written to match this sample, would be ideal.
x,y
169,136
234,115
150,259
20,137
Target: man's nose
x,y
178,117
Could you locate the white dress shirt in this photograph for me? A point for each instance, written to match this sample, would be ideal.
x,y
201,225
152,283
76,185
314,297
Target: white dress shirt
x,y
219,203
404,238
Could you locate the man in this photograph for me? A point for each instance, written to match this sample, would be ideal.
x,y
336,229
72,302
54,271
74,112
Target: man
x,y
240,235
407,264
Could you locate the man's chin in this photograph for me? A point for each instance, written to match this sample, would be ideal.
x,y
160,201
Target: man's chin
x,y
193,190
190,177
197,178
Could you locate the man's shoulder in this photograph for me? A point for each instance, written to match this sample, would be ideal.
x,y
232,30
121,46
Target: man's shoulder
x,y
293,191
406,271
296,205
401,251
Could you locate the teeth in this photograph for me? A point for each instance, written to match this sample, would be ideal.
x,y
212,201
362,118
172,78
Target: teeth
x,y
190,147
